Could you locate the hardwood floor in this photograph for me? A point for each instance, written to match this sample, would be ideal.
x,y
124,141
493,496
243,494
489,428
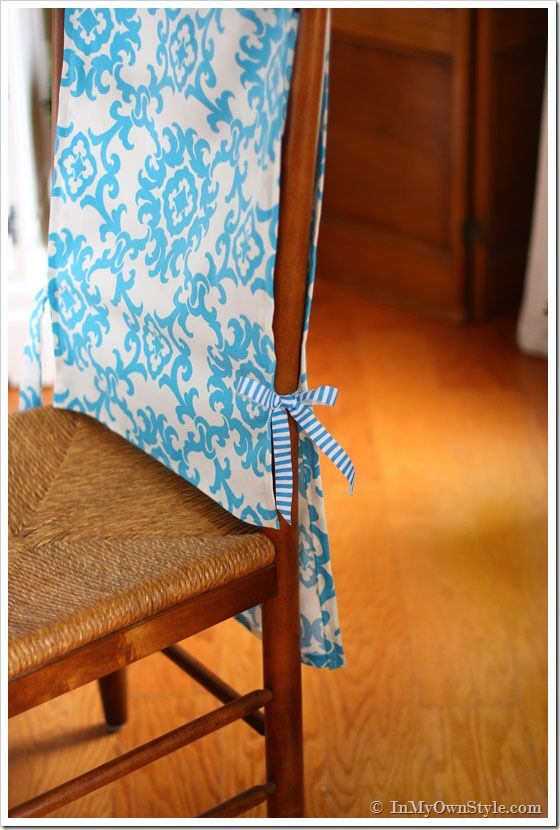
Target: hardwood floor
x,y
440,560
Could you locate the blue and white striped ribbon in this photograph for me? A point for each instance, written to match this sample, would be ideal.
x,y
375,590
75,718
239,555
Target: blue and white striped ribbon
x,y
298,405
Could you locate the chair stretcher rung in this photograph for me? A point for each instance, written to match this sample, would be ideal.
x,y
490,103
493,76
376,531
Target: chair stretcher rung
x,y
241,802
211,682
142,755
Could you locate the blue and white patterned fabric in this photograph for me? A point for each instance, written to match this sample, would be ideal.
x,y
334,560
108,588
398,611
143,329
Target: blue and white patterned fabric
x,y
162,245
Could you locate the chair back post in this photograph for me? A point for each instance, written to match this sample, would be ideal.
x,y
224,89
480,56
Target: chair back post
x,y
281,616
297,186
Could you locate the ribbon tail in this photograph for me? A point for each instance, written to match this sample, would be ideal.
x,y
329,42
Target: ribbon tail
x,y
324,441
298,405
31,380
283,476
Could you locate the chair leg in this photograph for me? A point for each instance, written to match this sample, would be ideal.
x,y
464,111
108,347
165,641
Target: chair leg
x,y
114,698
282,675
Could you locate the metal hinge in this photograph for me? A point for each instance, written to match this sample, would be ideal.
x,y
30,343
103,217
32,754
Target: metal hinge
x,y
473,232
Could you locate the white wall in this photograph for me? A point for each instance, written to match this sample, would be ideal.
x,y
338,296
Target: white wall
x,y
532,326
28,147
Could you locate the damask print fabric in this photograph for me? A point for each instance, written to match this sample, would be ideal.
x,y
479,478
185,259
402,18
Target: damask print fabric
x,y
162,245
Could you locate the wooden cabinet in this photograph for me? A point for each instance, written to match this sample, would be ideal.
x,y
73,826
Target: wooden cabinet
x,y
431,157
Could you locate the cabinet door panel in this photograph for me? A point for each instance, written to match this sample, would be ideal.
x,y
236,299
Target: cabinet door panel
x,y
407,131
396,176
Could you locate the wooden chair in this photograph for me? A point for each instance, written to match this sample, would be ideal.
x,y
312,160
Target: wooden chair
x,y
79,612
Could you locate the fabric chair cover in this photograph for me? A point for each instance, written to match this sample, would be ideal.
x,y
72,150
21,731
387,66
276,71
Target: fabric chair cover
x,y
163,230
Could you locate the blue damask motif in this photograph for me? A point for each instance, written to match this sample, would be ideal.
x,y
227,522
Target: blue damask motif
x,y
158,349
179,201
89,28
78,166
177,186
99,43
164,220
71,305
186,52
183,50
265,57
80,319
248,248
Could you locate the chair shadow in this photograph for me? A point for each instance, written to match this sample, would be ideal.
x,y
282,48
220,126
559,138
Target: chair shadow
x,y
63,740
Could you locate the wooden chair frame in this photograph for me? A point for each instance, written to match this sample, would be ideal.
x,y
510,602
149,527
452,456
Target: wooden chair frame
x,y
276,586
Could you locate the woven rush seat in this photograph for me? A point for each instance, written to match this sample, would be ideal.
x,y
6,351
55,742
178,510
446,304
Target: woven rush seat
x,y
102,536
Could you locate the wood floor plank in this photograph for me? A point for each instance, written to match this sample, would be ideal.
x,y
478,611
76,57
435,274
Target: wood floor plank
x,y
241,749
56,741
483,753
183,783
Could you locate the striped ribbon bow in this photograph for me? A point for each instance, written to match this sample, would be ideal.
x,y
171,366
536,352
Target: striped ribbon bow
x,y
298,405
